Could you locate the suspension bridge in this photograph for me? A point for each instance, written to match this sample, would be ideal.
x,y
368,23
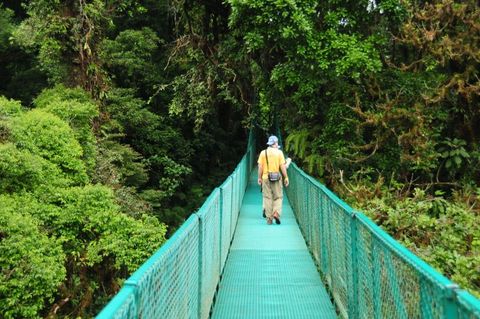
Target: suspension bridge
x,y
325,260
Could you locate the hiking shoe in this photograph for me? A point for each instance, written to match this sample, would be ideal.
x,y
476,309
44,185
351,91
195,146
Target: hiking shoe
x,y
277,218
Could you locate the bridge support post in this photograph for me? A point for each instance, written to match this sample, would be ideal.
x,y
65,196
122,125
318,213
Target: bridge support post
x,y
307,215
220,233
353,311
200,265
450,310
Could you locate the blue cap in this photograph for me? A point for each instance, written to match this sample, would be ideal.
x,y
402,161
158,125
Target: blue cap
x,y
272,140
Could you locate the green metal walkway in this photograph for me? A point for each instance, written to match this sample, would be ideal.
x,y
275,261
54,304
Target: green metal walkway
x,y
269,272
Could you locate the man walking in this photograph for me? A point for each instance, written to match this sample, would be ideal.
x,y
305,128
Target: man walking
x,y
271,163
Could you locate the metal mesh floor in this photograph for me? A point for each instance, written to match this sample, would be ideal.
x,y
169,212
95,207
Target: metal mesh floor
x,y
269,272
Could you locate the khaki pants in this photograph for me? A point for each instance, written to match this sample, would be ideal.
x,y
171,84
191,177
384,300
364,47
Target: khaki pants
x,y
272,197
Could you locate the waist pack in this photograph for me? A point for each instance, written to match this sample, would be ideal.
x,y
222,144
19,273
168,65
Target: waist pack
x,y
273,177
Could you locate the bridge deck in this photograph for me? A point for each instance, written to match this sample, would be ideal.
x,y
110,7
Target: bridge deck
x,y
269,272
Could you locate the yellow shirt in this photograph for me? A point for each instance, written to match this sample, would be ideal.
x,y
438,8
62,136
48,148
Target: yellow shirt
x,y
275,159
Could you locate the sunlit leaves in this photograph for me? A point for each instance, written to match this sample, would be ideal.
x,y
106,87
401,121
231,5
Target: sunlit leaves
x,y
353,57
89,223
20,171
454,154
46,135
32,264
76,108
6,27
47,203
9,108
129,56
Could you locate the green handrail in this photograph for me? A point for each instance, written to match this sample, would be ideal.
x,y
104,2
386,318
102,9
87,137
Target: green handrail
x,y
180,279
370,275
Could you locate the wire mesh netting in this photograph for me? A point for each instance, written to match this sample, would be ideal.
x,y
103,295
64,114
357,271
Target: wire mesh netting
x,y
210,250
161,289
124,304
469,306
369,274
180,279
226,221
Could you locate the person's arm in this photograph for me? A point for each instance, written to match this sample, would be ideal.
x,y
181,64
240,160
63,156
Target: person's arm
x,y
285,176
260,173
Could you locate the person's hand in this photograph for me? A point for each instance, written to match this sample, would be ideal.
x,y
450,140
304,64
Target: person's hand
x,y
286,182
259,181
288,161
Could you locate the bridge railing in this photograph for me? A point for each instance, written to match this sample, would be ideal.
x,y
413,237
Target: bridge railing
x,y
369,273
180,279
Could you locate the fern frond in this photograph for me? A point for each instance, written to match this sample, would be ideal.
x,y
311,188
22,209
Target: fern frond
x,y
314,164
297,142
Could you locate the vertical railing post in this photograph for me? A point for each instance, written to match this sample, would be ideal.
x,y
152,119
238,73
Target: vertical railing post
x,y
134,286
232,210
353,290
247,170
220,232
332,245
307,221
377,281
425,304
323,234
450,310
200,265
220,239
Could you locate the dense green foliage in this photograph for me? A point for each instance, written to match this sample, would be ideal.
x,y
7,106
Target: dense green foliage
x,y
101,158
119,117
59,233
379,99
31,262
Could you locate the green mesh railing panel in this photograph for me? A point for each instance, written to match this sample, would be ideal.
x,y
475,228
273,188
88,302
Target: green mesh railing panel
x,y
161,288
226,222
235,197
370,275
123,306
469,306
210,250
180,279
